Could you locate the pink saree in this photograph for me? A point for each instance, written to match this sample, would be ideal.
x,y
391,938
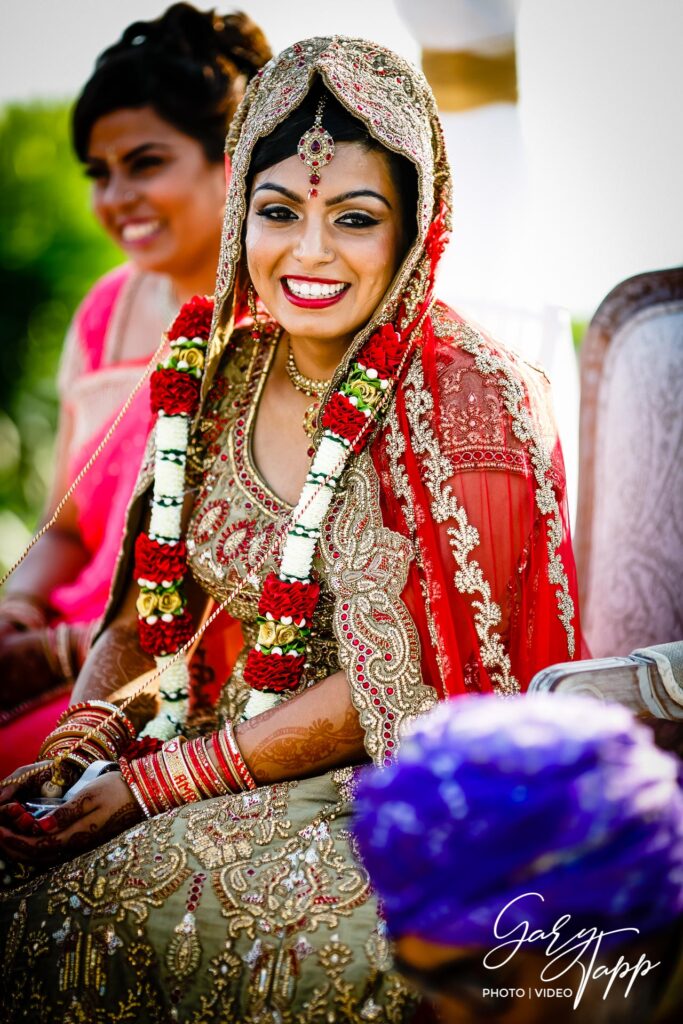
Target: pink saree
x,y
92,389
94,383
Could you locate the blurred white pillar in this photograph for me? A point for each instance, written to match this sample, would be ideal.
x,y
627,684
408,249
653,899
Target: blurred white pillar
x,y
490,270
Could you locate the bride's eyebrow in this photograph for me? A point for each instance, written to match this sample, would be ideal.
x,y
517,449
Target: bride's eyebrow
x,y
355,194
270,186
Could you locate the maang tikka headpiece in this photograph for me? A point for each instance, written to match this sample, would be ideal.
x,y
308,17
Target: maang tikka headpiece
x,y
316,148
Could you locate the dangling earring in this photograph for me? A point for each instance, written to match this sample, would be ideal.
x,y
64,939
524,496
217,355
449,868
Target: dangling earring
x,y
251,302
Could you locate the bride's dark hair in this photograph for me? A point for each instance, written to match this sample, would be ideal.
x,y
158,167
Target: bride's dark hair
x,y
343,127
190,66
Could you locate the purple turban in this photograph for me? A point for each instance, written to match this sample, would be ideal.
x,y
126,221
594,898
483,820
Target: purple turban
x,y
492,799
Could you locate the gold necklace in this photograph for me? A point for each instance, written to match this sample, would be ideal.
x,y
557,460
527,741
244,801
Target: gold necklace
x,y
307,386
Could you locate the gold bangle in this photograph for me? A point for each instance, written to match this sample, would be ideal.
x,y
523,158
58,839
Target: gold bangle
x,y
182,782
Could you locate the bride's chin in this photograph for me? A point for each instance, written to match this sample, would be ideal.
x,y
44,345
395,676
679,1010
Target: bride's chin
x,y
315,327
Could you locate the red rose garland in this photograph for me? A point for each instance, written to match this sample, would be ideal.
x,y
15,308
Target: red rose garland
x,y
164,623
287,605
275,664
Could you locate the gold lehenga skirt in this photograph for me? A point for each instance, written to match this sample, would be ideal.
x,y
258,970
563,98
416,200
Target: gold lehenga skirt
x,y
243,908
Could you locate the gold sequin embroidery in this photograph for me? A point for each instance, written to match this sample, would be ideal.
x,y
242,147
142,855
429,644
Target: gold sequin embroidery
x,y
463,536
379,648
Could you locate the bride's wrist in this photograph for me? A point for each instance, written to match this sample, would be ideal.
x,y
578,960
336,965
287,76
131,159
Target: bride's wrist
x,y
89,731
187,772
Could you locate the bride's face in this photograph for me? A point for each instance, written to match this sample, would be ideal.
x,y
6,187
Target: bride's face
x,y
321,264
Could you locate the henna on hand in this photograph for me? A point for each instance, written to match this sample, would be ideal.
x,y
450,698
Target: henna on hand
x,y
102,811
317,730
115,659
302,750
31,787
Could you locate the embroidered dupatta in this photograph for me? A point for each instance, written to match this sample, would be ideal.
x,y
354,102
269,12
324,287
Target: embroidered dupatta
x,y
471,492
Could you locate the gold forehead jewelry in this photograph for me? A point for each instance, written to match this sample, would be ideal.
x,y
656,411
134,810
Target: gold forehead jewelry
x,y
316,148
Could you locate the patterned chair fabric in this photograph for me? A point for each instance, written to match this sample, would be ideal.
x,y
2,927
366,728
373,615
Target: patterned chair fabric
x,y
629,541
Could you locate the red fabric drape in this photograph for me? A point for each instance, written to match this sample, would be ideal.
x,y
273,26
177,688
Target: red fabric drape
x,y
465,469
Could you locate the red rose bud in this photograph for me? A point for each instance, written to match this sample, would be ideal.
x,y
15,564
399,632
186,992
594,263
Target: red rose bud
x,y
175,392
158,562
273,673
281,598
193,320
165,637
141,747
383,352
346,420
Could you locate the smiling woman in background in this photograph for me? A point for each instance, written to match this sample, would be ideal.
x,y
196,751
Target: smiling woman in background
x,y
149,128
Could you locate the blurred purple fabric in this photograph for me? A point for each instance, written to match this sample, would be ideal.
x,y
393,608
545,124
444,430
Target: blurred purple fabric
x,y
491,799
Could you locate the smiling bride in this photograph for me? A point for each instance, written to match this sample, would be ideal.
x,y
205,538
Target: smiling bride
x,y
376,492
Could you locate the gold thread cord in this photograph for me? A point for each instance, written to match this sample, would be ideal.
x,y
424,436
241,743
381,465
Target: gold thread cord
x,y
93,458
280,534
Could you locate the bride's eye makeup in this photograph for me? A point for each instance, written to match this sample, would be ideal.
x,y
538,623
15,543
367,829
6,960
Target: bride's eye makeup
x,y
357,219
277,212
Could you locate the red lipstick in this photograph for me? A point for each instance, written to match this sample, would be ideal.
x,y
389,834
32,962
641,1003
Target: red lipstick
x,y
319,302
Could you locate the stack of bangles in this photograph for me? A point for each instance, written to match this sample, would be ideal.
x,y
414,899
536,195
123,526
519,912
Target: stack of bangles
x,y
23,611
56,644
113,735
183,772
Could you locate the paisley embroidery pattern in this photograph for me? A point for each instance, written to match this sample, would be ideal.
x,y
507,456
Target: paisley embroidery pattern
x,y
512,391
211,520
367,566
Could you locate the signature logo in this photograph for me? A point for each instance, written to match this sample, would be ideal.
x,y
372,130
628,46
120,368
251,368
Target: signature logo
x,y
564,950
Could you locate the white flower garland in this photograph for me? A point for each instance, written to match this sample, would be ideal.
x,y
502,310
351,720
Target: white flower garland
x,y
171,436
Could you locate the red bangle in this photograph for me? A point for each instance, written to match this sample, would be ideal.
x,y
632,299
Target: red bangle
x,y
132,785
185,788
238,761
204,773
144,775
163,778
224,758
219,784
196,776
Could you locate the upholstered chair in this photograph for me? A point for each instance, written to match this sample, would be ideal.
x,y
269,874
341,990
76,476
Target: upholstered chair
x,y
629,537
649,682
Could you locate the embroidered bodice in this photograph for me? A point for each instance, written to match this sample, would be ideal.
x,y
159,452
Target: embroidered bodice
x,y
236,516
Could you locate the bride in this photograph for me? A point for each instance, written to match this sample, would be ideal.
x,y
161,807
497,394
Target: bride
x,y
376,492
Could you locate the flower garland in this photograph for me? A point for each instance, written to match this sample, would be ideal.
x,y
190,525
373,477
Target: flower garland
x,y
164,623
288,601
276,662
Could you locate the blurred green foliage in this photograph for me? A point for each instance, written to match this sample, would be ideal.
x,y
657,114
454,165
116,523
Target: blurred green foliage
x,y
51,251
579,328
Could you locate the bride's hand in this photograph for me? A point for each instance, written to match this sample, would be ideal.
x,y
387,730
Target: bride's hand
x,y
101,810
31,788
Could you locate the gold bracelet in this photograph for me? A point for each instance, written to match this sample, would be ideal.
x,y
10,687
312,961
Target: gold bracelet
x,y
181,780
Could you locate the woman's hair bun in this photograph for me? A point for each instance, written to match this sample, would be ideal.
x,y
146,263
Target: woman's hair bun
x,y
191,66
202,36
